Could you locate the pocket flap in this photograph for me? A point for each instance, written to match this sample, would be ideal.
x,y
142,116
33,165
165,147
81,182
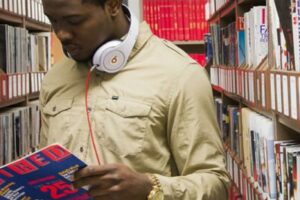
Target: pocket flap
x,y
126,108
56,106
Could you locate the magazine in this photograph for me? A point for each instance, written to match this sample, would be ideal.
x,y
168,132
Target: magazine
x,y
44,174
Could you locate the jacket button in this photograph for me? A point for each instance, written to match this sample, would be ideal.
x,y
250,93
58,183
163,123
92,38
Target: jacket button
x,y
54,108
81,149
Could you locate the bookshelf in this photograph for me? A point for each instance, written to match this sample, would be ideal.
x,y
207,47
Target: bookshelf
x,y
25,57
191,46
263,85
22,21
14,102
167,20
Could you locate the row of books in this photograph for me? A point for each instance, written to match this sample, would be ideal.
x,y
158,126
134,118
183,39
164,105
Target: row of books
x,y
176,19
275,90
19,132
222,117
224,44
251,140
212,6
229,118
242,42
258,146
245,187
208,50
284,95
13,86
252,37
256,36
283,168
270,168
22,51
234,193
285,31
32,9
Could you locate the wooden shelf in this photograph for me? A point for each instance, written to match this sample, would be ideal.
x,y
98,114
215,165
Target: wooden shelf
x,y
268,114
233,96
37,26
249,105
189,42
13,102
191,46
251,2
288,122
243,102
11,18
33,96
243,1
228,7
217,88
228,10
18,20
19,100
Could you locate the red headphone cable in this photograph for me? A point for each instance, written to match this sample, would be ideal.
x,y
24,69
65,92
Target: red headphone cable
x,y
88,115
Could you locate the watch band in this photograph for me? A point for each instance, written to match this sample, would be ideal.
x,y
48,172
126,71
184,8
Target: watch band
x,y
156,188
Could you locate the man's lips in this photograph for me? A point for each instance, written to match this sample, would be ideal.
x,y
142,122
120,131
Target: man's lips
x,y
72,49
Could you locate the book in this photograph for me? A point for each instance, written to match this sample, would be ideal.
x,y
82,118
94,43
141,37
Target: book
x,y
241,47
44,174
285,18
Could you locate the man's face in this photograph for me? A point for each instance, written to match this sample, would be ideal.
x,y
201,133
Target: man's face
x,y
81,27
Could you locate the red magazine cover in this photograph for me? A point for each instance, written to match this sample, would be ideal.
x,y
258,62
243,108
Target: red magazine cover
x,y
45,174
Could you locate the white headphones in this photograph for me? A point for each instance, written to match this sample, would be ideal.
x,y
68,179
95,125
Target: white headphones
x,y
112,56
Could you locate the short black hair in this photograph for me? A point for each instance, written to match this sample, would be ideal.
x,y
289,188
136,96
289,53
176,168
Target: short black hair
x,y
96,2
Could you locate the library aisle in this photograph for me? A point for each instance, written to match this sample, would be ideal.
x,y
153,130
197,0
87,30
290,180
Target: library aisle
x,y
25,57
254,51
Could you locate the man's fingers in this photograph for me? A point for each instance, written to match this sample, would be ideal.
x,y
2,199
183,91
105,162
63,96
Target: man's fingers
x,y
95,192
102,182
93,171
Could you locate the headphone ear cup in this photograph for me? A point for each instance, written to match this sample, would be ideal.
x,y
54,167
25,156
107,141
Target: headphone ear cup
x,y
108,58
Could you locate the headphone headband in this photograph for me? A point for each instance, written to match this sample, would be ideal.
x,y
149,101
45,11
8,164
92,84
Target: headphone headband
x,y
112,56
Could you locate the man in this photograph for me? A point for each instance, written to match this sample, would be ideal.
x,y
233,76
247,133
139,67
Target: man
x,y
153,121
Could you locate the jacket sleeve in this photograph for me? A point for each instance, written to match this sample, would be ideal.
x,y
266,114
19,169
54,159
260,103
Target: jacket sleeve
x,y
194,140
44,121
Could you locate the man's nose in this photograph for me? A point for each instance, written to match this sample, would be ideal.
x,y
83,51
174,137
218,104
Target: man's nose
x,y
63,34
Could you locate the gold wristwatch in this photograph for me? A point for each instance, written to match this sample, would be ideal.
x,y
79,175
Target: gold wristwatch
x,y
156,193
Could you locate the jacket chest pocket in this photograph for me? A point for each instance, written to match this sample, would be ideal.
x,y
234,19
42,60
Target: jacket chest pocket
x,y
124,126
58,114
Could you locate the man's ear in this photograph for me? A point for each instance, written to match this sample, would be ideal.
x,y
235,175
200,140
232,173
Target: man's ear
x,y
113,7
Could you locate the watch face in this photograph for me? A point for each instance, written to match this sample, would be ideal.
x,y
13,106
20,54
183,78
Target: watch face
x,y
159,195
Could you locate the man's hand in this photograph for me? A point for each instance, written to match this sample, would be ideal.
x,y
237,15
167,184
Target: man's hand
x,y
113,182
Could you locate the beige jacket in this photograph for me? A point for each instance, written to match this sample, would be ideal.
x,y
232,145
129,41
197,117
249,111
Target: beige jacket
x,y
156,116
